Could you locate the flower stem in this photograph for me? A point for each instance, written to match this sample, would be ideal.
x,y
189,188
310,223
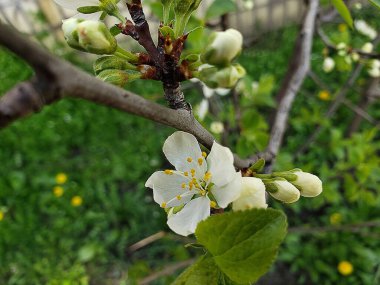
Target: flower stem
x,y
122,53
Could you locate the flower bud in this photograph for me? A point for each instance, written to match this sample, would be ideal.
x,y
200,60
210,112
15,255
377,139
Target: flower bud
x,y
117,77
367,47
111,62
223,47
355,56
252,195
95,37
182,13
221,78
217,127
308,184
70,32
328,64
365,29
374,70
282,190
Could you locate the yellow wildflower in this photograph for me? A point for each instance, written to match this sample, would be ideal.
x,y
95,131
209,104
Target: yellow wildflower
x,y
335,218
58,191
1,216
76,201
342,28
345,268
61,178
324,95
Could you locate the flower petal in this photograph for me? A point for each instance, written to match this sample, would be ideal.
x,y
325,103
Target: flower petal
x,y
180,147
75,4
166,188
220,164
229,192
185,221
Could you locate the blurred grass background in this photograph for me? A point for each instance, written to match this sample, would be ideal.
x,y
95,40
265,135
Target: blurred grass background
x,y
46,238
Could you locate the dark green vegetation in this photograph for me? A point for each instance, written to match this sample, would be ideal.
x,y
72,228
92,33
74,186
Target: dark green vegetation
x,y
108,156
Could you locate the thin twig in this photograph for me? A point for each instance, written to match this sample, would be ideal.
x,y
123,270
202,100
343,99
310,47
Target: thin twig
x,y
169,270
146,241
297,71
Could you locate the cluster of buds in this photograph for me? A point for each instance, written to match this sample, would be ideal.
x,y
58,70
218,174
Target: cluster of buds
x,y
286,186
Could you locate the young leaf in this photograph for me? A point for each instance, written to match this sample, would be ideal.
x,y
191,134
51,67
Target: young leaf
x,y
243,244
342,9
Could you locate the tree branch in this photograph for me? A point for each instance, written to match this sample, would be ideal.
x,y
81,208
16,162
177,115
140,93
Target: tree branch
x,y
297,71
61,79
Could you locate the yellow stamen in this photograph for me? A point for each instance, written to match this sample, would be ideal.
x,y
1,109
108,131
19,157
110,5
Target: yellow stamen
x,y
204,154
200,161
212,204
192,172
207,176
168,172
189,159
183,185
163,205
191,184
179,197
186,173
203,192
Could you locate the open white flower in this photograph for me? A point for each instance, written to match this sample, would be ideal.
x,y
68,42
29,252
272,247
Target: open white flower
x,y
252,195
328,64
199,183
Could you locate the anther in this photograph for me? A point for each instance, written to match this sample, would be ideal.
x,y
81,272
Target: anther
x,y
163,205
189,159
212,204
186,173
168,172
183,185
179,197
200,161
204,154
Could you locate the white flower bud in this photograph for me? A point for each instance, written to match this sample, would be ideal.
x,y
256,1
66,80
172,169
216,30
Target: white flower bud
x,y
282,190
328,64
95,37
365,29
367,47
217,127
252,195
309,184
355,56
223,47
226,77
70,32
374,70
341,46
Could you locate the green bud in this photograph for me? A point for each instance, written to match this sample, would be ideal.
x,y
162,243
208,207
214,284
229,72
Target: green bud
x,y
221,78
117,77
112,62
223,47
95,37
166,4
258,165
70,32
182,12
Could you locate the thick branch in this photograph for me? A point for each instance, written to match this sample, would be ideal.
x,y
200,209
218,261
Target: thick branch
x,y
68,81
297,71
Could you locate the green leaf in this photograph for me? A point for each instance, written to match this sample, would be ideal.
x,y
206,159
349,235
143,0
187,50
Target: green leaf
x,y
89,9
342,9
375,3
219,8
204,271
243,244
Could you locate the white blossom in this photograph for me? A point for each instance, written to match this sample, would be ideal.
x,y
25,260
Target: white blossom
x,y
367,47
365,29
309,184
374,68
217,127
328,64
199,183
252,195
